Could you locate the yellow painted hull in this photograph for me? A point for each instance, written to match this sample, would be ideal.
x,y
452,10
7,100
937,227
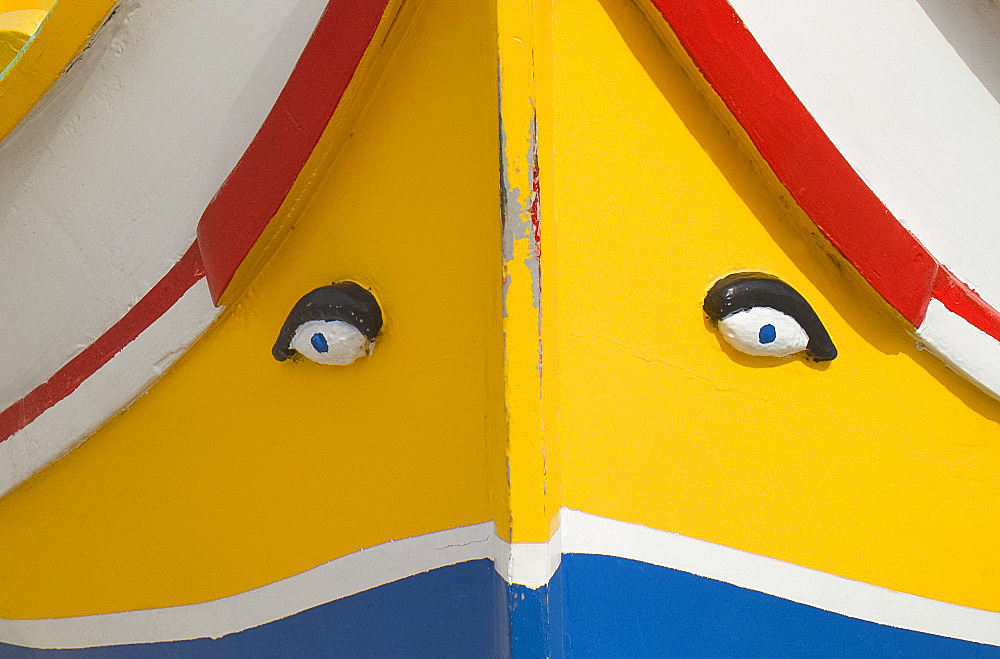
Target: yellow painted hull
x,y
539,361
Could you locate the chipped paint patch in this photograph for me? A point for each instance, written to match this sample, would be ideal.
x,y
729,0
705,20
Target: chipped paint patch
x,y
521,239
519,214
521,284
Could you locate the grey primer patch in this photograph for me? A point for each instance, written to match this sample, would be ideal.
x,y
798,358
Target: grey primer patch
x,y
515,217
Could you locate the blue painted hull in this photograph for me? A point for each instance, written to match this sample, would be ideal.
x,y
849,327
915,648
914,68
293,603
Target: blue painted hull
x,y
614,607
594,606
449,612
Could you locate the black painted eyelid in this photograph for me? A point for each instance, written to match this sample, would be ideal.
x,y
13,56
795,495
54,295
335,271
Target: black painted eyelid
x,y
345,301
742,291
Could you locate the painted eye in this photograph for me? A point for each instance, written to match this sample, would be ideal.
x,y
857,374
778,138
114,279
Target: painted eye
x,y
330,342
764,331
334,324
761,315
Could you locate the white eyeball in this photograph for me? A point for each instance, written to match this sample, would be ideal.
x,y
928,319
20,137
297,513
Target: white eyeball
x,y
330,342
764,331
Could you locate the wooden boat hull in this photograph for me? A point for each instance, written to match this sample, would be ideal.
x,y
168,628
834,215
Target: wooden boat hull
x,y
552,447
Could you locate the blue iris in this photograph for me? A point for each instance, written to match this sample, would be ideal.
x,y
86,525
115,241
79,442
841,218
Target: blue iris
x,y
319,342
767,334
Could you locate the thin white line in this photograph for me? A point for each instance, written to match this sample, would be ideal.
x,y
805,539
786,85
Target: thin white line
x,y
588,534
112,387
579,533
341,577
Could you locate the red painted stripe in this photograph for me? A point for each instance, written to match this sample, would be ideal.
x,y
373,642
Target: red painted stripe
x,y
255,189
962,300
804,159
153,304
247,200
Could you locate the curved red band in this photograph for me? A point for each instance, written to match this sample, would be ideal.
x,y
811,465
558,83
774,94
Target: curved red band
x,y
813,170
182,276
259,183
801,155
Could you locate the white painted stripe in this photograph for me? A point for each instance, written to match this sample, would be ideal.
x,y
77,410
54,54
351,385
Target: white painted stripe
x,y
579,533
966,349
104,182
348,575
905,110
112,387
588,534
532,564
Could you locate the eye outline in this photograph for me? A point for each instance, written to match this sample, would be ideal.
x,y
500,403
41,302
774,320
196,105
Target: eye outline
x,y
743,291
344,301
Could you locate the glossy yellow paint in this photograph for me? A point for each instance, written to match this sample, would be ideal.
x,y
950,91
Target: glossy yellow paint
x,y
367,76
236,470
882,466
62,35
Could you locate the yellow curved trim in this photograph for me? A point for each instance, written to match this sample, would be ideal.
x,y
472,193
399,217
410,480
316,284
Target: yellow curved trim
x,y
237,470
61,37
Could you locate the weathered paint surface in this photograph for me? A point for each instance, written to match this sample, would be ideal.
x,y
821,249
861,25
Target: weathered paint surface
x,y
728,597
236,470
889,105
661,425
445,612
65,32
649,490
101,203
107,375
523,315
340,578
874,155
522,311
340,48
254,191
